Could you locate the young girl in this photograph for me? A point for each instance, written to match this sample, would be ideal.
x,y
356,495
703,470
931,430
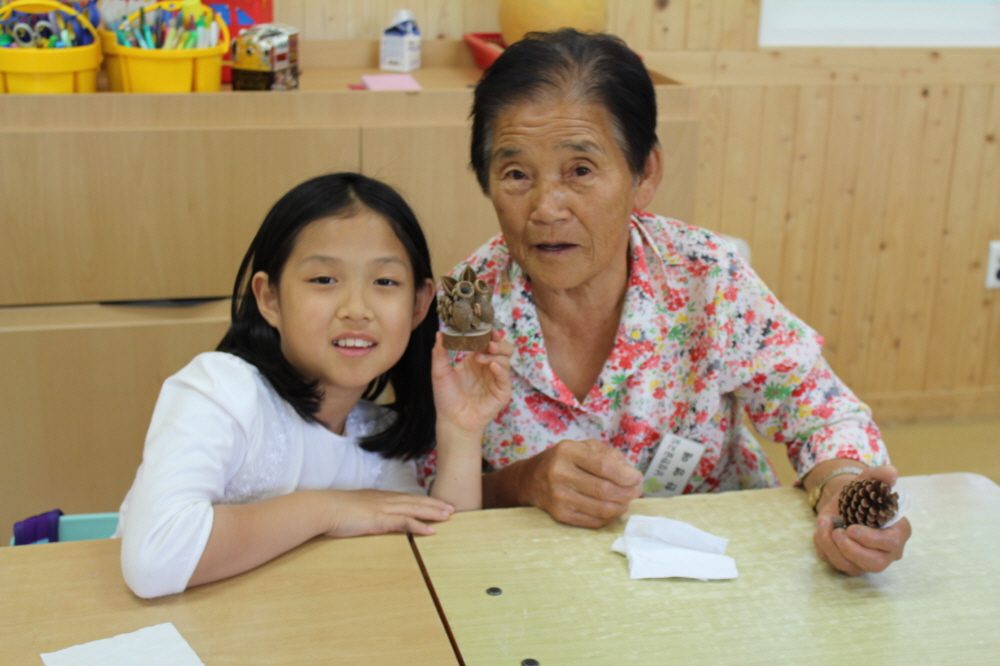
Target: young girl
x,y
272,439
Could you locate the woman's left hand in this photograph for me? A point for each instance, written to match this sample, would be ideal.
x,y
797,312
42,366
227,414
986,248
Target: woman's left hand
x,y
467,396
859,549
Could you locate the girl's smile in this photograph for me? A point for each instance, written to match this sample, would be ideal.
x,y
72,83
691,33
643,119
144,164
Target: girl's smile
x,y
354,344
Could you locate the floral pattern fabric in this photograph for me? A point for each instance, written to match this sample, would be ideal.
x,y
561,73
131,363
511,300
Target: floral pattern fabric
x,y
701,340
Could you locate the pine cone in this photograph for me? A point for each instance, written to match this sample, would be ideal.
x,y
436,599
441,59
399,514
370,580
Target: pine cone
x,y
868,502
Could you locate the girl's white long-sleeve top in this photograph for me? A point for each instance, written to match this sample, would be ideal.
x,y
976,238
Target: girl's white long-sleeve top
x,y
220,434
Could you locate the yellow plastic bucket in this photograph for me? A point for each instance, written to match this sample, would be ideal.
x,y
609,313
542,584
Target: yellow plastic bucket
x,y
34,71
132,69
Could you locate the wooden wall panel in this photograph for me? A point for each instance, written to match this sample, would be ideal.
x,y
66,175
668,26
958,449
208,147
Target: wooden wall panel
x,y
77,389
923,242
365,19
867,219
988,228
144,214
954,365
777,135
875,232
713,111
836,205
741,166
677,192
805,191
697,25
456,216
902,221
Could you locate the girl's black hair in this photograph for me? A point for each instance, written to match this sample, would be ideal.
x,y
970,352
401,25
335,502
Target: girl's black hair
x,y
251,338
597,68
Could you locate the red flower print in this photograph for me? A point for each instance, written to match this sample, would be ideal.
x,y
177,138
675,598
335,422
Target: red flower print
x,y
551,414
823,411
676,299
699,351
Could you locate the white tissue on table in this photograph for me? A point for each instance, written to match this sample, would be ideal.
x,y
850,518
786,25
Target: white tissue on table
x,y
903,501
158,645
664,548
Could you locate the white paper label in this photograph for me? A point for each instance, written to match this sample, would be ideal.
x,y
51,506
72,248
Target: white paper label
x,y
672,466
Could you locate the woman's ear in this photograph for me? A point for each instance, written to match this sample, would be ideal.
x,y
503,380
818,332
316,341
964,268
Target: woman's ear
x,y
650,180
267,298
422,302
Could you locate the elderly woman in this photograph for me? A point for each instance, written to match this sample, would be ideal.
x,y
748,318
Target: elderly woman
x,y
640,341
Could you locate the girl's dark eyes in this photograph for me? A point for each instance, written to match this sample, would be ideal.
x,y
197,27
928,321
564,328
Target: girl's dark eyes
x,y
386,282
324,280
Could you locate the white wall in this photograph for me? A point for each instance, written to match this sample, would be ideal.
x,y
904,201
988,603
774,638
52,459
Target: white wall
x,y
935,23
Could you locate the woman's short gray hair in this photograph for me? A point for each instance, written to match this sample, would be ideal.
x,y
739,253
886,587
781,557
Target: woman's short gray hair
x,y
596,68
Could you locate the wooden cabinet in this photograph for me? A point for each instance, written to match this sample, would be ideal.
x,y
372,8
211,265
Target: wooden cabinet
x,y
77,387
105,214
115,198
112,226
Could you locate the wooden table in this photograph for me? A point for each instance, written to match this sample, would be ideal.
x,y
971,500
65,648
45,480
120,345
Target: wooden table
x,y
343,601
567,599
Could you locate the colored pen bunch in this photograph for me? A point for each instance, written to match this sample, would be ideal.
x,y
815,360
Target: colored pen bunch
x,y
52,30
166,29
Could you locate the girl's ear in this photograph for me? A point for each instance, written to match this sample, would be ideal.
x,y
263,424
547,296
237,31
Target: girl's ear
x,y
422,302
267,298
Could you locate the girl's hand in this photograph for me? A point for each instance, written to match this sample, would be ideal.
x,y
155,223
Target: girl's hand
x,y
469,395
359,512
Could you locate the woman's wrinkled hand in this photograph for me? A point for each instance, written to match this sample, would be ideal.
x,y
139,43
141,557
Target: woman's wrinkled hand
x,y
859,549
587,484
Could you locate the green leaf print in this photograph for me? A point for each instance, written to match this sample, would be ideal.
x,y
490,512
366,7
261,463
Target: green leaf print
x,y
777,392
678,334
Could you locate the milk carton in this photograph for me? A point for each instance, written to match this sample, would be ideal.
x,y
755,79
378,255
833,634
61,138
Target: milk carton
x,y
400,49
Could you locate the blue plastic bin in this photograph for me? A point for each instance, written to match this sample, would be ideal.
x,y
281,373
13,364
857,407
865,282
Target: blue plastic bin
x,y
86,526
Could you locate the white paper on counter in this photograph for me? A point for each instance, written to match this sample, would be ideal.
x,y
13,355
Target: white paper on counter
x,y
903,502
663,548
158,645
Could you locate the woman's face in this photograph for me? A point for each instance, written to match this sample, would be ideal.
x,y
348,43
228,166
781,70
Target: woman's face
x,y
563,192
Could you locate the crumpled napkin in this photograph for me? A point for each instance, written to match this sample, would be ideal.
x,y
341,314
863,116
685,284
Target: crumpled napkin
x,y
158,645
664,548
903,503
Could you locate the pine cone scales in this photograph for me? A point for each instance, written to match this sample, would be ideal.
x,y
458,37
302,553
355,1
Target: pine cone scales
x,y
868,502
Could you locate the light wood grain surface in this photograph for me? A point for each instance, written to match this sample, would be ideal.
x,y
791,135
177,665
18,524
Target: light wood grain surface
x,y
77,389
567,599
330,601
130,215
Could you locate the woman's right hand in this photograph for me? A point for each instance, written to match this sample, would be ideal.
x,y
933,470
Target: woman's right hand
x,y
359,512
586,484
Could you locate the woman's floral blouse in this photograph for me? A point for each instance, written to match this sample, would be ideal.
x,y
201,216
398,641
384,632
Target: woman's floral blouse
x,y
701,338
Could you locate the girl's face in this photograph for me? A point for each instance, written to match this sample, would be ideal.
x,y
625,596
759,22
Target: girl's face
x,y
346,302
